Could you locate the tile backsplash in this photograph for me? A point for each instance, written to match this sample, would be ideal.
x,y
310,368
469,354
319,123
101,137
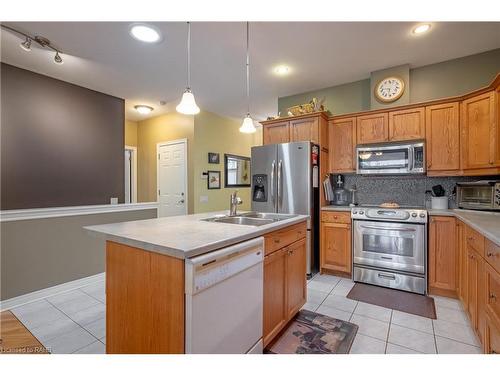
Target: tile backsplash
x,y
405,190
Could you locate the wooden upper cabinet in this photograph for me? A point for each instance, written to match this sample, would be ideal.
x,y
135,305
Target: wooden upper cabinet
x,y
372,128
443,138
342,143
296,277
304,129
407,124
479,132
278,132
442,256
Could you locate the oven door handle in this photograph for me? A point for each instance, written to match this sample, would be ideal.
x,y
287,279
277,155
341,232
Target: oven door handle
x,y
392,229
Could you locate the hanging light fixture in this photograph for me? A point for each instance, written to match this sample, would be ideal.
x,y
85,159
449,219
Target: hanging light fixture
x,y
248,126
188,105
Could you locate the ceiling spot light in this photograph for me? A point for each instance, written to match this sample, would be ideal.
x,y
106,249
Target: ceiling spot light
x,y
143,109
145,33
26,45
58,59
282,70
420,29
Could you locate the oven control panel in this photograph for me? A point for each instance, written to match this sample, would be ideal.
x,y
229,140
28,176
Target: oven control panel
x,y
388,214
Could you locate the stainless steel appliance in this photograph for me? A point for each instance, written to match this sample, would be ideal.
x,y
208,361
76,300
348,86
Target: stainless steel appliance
x,y
391,158
285,180
390,247
479,195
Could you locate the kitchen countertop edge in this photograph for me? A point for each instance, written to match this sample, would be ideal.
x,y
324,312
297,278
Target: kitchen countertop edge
x,y
195,251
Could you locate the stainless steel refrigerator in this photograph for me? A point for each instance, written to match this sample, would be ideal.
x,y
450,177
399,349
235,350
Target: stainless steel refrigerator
x,y
285,180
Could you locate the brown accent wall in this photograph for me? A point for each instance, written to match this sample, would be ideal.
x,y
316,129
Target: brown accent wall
x,y
62,144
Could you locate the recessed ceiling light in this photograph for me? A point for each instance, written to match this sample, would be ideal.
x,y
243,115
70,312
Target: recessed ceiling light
x,y
282,70
420,29
145,33
143,109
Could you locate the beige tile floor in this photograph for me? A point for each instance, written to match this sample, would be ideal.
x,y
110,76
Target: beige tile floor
x,y
383,330
74,322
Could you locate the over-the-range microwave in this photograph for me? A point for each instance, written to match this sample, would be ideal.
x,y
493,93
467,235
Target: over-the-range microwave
x,y
395,158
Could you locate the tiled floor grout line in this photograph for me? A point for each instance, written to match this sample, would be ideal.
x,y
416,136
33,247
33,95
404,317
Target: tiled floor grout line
x,y
78,324
388,332
90,295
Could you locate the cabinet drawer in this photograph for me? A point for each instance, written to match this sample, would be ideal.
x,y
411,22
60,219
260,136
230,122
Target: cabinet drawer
x,y
336,217
492,285
492,255
284,237
475,240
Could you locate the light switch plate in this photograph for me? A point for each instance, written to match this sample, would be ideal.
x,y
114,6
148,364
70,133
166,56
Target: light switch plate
x,y
204,175
114,200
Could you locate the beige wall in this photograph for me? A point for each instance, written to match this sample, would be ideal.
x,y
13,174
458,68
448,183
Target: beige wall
x,y
131,133
152,131
214,133
40,253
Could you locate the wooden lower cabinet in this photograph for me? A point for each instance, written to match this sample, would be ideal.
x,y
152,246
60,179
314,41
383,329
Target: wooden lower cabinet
x,y
335,243
275,309
285,286
443,270
296,275
479,285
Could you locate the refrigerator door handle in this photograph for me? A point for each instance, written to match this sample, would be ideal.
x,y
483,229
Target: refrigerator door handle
x,y
273,167
280,171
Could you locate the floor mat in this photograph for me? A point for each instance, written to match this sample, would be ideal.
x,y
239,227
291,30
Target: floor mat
x,y
411,303
313,333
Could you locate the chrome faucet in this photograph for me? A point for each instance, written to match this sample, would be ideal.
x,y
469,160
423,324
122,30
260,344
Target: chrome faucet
x,y
233,203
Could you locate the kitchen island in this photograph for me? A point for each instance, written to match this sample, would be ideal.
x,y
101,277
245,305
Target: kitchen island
x,y
145,275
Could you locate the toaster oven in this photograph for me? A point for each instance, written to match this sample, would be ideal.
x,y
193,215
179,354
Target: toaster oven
x,y
479,195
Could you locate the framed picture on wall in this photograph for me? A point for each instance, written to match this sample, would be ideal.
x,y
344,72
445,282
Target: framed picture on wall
x,y
213,180
213,158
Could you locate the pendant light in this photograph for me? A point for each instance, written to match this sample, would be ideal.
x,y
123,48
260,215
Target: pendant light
x,y
247,126
188,105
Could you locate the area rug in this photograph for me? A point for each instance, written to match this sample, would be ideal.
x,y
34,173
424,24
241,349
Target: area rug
x,y
411,303
313,333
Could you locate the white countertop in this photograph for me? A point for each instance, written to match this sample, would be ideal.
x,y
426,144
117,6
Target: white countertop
x,y
486,223
184,236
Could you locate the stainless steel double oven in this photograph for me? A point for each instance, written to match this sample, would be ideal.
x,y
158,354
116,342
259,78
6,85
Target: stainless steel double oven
x,y
390,248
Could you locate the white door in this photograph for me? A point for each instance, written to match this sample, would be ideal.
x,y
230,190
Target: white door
x,y
128,176
172,178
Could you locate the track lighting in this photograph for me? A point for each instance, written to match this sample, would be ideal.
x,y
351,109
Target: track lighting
x,y
26,45
58,59
40,40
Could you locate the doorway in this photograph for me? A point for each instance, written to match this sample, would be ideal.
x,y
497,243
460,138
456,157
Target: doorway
x,y
130,174
172,178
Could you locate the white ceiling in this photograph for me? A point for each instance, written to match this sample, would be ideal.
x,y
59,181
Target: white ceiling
x,y
103,57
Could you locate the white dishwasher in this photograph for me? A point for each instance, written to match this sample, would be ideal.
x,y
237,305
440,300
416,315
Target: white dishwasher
x,y
224,300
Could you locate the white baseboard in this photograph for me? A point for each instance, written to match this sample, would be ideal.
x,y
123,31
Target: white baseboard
x,y
11,303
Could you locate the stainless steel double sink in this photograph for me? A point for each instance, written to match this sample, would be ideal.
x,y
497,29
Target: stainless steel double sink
x,y
250,218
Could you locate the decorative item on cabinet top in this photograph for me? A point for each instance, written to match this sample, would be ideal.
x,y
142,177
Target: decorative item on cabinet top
x,y
314,105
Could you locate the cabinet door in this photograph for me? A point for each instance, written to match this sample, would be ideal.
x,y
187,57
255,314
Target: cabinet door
x,y
275,313
335,250
372,128
407,124
462,263
472,285
442,256
304,129
443,137
479,133
492,286
492,338
342,144
276,133
296,277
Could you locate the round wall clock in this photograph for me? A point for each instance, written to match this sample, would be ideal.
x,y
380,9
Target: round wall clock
x,y
389,89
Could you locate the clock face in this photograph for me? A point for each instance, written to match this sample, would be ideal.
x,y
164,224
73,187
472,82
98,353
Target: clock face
x,y
389,89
